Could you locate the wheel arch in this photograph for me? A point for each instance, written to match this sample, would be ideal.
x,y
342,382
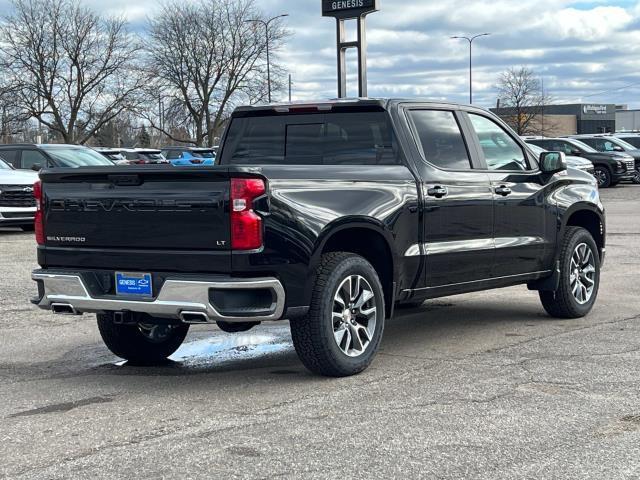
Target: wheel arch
x,y
377,248
591,219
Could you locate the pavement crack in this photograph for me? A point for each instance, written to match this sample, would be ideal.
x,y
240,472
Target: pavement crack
x,y
63,407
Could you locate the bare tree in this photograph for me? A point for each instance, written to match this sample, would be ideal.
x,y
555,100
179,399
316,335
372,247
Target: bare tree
x,y
71,69
207,58
522,100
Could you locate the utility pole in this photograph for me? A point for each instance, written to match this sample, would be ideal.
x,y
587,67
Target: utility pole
x,y
470,40
289,88
266,28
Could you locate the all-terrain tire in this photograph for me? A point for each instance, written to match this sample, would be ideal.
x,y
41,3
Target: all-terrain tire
x,y
562,303
129,342
313,336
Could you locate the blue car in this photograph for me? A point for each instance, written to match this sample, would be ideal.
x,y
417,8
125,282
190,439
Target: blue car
x,y
190,156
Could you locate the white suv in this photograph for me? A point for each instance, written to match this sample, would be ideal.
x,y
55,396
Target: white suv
x,y
17,204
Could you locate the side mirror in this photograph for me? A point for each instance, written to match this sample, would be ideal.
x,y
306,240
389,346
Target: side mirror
x,y
36,167
576,152
618,148
553,162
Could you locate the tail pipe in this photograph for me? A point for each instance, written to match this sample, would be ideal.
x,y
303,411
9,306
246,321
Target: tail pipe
x,y
64,309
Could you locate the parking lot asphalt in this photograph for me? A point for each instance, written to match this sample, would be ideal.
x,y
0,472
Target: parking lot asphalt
x,y
482,386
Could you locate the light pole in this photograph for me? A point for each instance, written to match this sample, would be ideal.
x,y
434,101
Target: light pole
x,y
470,40
266,27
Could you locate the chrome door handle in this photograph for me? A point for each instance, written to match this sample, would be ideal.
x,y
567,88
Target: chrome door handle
x,y
438,192
502,190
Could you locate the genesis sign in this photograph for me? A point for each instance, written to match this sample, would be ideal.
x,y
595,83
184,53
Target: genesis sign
x,y
348,8
343,10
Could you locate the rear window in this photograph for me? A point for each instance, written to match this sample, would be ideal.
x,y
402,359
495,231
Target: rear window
x,y
77,157
362,138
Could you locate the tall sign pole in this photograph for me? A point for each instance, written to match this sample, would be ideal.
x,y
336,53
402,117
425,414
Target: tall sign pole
x,y
343,10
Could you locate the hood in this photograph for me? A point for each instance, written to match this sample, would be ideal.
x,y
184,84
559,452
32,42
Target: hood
x,y
18,177
634,153
578,162
608,156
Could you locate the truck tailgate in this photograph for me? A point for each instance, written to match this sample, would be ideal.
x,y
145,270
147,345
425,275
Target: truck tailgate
x,y
135,208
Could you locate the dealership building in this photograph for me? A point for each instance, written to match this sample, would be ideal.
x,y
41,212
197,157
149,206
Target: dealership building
x,y
579,118
627,120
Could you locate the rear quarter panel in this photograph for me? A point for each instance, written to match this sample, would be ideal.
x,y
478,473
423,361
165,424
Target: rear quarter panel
x,y
307,205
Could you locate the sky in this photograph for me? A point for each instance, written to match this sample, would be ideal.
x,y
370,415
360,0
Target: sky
x,y
585,51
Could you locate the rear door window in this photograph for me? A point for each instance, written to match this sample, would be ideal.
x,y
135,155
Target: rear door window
x,y
440,139
358,138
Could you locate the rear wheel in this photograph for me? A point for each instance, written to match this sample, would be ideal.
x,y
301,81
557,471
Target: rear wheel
x,y
603,176
342,332
579,277
141,343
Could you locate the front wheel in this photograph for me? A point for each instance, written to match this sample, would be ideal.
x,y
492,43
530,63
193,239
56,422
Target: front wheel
x,y
603,176
636,176
141,343
579,277
341,334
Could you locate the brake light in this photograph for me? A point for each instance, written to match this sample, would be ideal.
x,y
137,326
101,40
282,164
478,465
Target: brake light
x,y
39,220
246,225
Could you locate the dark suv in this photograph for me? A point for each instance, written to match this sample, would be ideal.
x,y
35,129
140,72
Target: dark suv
x,y
610,144
36,156
630,138
610,168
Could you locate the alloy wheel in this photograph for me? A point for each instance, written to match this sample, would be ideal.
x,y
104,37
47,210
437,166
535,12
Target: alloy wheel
x,y
601,177
354,315
583,273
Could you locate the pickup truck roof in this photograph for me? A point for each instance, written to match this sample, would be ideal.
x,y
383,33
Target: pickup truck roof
x,y
350,103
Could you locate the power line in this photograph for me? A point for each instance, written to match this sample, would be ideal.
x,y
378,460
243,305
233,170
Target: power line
x,y
612,90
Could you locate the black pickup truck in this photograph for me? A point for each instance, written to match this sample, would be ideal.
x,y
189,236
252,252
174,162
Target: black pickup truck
x,y
329,215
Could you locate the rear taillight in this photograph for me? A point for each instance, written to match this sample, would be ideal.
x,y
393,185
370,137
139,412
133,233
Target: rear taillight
x,y
246,225
39,220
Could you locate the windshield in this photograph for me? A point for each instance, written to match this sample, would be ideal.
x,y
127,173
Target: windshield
x,y
4,165
77,157
583,146
622,143
633,141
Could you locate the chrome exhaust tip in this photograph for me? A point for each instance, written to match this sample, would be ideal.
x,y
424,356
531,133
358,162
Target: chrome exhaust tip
x,y
194,317
64,309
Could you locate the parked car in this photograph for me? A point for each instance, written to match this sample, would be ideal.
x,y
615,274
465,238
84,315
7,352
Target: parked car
x,y
572,162
17,203
144,156
610,168
610,144
190,156
630,138
328,215
113,154
36,156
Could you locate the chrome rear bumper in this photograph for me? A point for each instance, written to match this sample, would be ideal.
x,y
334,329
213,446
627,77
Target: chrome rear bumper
x,y
185,300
